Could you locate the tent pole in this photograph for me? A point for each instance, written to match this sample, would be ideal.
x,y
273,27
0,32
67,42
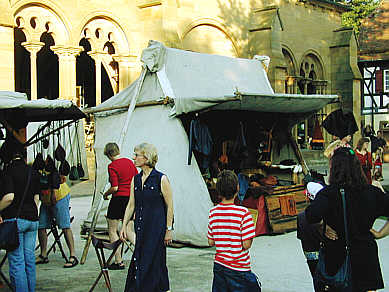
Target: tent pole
x,y
297,151
38,132
164,101
120,142
132,107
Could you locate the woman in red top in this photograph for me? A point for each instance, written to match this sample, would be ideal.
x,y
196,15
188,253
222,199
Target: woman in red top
x,y
121,171
364,157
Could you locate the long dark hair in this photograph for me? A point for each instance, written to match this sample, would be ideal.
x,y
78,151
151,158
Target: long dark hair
x,y
346,170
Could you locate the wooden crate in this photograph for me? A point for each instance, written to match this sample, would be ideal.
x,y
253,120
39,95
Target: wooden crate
x,y
278,222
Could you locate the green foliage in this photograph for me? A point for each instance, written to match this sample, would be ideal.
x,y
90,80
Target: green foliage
x,y
360,9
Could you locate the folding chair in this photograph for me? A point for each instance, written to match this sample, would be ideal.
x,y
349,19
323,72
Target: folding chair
x,y
57,238
2,274
100,245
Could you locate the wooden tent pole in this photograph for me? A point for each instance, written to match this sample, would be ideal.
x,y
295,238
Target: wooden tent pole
x,y
164,101
297,151
120,142
131,108
91,230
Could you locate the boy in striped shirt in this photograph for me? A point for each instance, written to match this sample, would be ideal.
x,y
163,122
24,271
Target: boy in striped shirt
x,y
231,230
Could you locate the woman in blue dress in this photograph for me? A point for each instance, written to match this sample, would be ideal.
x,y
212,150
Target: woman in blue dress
x,y
151,200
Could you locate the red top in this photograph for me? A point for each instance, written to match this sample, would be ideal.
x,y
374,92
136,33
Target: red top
x,y
121,171
229,225
366,163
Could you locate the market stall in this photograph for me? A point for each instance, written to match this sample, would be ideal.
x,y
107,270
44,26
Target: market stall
x,y
205,113
40,126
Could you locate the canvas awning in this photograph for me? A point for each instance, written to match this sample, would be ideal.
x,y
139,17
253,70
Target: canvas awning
x,y
16,104
277,102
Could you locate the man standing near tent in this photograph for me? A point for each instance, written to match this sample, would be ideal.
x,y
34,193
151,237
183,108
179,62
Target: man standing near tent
x,y
121,171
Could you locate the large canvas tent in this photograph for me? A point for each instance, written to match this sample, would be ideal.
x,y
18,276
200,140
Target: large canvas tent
x,y
192,82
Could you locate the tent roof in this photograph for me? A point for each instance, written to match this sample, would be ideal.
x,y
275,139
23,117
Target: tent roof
x,y
277,103
197,81
38,110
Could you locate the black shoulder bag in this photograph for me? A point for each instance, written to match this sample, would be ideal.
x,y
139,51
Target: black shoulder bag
x,y
342,279
9,235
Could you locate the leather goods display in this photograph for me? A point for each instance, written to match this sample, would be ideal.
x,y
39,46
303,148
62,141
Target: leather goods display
x,y
9,235
341,281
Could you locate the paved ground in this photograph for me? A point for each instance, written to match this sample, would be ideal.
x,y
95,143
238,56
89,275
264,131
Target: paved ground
x,y
277,260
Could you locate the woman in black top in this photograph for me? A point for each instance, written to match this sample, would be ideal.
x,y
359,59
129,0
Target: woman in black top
x,y
22,260
364,203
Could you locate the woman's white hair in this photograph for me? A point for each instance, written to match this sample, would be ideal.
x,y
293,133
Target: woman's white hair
x,y
149,151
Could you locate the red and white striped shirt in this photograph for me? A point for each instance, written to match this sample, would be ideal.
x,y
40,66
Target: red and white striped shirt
x,y
229,225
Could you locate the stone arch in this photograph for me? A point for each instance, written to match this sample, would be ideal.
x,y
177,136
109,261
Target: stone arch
x,y
109,30
199,36
290,60
107,38
291,70
34,19
313,58
312,80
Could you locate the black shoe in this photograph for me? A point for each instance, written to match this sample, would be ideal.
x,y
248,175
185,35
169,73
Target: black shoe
x,y
116,266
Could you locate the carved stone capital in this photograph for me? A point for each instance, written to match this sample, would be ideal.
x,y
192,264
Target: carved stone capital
x,y
33,47
67,51
97,56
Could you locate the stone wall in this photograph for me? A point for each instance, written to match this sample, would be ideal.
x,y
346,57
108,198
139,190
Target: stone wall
x,y
306,30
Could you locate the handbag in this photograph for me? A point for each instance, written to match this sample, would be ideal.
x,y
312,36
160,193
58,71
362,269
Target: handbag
x,y
9,235
342,280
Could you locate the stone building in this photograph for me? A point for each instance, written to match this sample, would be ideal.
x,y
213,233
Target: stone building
x,y
87,50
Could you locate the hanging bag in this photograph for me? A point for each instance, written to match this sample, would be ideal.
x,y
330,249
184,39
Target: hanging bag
x,y
60,153
73,174
9,235
80,169
341,281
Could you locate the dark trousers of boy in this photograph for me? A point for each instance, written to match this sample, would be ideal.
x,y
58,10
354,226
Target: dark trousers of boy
x,y
229,280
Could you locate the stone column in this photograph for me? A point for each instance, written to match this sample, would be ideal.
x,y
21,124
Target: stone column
x,y
67,71
33,48
98,58
126,65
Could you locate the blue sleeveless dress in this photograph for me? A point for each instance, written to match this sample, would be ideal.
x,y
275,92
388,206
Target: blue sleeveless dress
x,y
148,271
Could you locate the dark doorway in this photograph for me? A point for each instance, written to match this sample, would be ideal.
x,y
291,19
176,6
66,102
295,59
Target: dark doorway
x,y
47,69
22,64
106,87
86,76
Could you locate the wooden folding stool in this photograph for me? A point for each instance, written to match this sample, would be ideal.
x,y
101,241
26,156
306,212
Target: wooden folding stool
x,y
100,245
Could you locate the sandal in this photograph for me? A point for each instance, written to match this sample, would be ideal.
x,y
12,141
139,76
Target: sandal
x,y
41,260
117,266
72,262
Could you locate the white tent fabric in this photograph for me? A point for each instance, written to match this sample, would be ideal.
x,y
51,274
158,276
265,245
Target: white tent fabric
x,y
195,82
10,99
70,144
190,194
